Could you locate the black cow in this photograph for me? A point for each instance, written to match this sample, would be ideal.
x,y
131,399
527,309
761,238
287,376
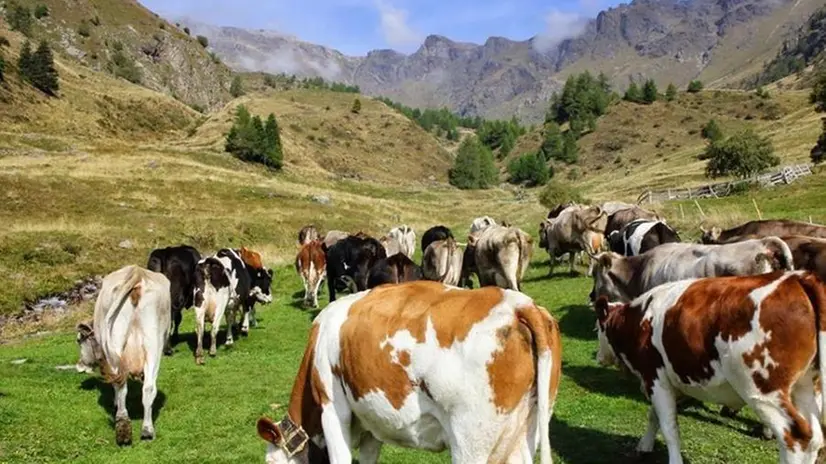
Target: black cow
x,y
349,261
178,265
641,235
435,234
468,267
393,270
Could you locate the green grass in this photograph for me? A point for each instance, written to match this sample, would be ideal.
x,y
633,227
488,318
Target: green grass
x,y
208,413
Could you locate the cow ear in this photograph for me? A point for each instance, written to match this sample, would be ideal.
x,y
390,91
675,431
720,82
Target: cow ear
x,y
85,330
269,273
605,260
471,240
601,308
268,431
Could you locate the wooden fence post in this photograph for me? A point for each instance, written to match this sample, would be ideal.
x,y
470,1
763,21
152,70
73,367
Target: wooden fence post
x,y
682,213
759,214
701,209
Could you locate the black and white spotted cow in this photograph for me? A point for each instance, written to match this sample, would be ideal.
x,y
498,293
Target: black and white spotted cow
x,y
229,281
640,236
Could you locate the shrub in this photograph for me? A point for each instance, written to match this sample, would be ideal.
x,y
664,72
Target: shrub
x,y
356,106
95,21
186,30
694,86
215,58
762,93
203,41
2,69
650,94
162,26
236,89
253,141
124,66
474,167
83,29
632,93
529,168
574,174
671,93
712,131
557,193
818,153
269,80
743,155
19,18
41,11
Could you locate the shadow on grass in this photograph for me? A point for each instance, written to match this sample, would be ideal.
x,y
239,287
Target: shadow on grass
x,y
191,339
605,381
578,321
134,398
583,445
710,414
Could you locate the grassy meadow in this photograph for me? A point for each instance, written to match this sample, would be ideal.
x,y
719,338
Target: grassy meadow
x,y
208,413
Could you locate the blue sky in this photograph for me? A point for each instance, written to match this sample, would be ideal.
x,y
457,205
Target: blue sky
x,y
357,26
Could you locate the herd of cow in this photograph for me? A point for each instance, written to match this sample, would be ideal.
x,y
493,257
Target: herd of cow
x,y
411,358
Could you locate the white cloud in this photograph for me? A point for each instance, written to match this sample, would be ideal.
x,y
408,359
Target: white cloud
x,y
560,26
394,26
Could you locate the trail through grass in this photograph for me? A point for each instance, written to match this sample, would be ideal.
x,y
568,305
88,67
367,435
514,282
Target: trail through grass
x,y
207,414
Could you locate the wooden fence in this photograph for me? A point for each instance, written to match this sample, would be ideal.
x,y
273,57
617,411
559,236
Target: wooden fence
x,y
787,175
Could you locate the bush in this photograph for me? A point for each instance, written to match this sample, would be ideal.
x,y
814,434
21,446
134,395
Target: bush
x,y
124,66
529,168
203,41
41,11
356,109
83,29
632,93
762,93
95,21
19,18
557,193
574,174
650,94
712,131
253,141
236,89
818,153
474,167
38,68
186,30
671,93
743,155
694,86
2,69
269,80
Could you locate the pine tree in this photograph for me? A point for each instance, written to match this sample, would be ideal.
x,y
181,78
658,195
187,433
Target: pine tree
x,y
552,145
43,73
671,92
818,153
649,92
570,151
356,109
712,131
694,86
632,94
24,62
236,89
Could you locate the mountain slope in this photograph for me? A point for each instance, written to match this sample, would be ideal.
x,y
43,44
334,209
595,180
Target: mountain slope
x,y
668,40
167,59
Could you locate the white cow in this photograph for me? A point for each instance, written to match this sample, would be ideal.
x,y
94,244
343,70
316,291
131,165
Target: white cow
x,y
131,324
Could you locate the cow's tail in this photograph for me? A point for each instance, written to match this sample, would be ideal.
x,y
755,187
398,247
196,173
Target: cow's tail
x,y
520,261
782,253
131,355
451,249
816,291
545,333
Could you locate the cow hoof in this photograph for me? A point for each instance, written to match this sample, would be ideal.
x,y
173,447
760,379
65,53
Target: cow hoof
x,y
168,351
199,360
229,342
213,351
147,434
729,413
123,432
762,432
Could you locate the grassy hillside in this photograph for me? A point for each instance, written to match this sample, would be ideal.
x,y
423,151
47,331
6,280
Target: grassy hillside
x,y
168,60
637,147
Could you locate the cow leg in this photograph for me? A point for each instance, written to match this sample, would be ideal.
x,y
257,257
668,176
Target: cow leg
x,y
216,325
804,398
150,376
252,322
369,449
123,426
173,340
571,260
245,320
646,444
336,425
331,288
200,314
230,326
551,262
316,290
665,406
778,412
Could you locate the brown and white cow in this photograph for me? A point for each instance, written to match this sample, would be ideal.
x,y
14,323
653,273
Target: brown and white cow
x,y
576,229
311,265
131,325
735,341
763,228
442,261
307,234
426,366
405,237
501,255
623,278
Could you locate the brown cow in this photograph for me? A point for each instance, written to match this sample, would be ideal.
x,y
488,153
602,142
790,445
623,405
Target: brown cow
x,y
311,265
502,255
763,228
425,366
623,217
442,261
576,229
736,341
307,234
393,270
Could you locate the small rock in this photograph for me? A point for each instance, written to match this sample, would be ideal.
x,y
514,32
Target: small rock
x,y
65,367
127,244
153,165
17,362
432,178
322,199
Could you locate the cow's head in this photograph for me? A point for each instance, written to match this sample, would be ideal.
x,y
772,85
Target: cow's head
x,y
261,284
609,279
288,443
544,230
90,351
604,310
710,236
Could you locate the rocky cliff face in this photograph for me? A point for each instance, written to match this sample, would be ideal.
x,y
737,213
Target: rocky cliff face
x,y
668,40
